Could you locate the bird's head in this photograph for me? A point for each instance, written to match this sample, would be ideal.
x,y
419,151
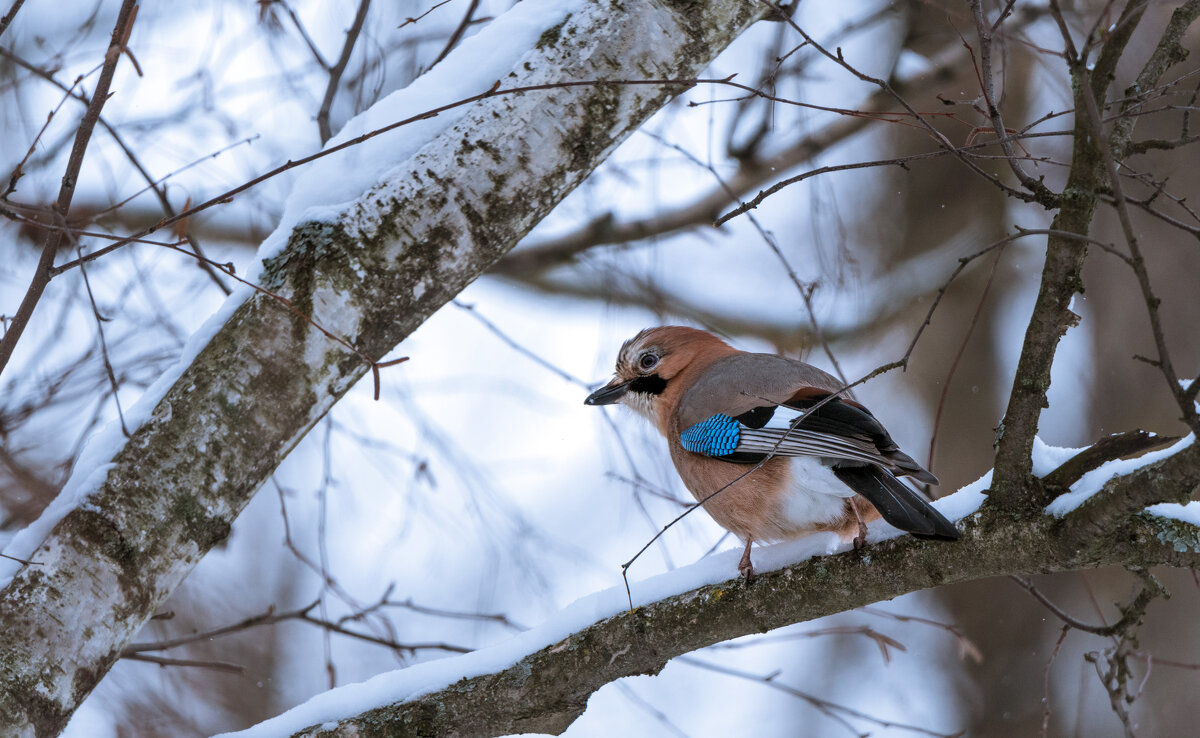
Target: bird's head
x,y
653,365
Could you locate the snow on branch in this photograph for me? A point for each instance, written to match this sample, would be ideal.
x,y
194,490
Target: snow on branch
x,y
540,680
373,242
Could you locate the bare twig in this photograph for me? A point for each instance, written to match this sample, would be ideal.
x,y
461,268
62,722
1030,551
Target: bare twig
x,y
308,41
108,369
987,81
962,347
19,170
8,17
271,617
42,273
462,27
513,344
827,708
435,6
339,68
1062,636
1148,590
1138,263
164,661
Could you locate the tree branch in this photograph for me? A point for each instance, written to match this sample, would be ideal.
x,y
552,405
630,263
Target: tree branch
x,y
335,74
700,213
1062,271
547,689
62,206
374,271
8,17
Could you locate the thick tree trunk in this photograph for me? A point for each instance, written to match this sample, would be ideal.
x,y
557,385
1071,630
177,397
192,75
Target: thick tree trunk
x,y
371,275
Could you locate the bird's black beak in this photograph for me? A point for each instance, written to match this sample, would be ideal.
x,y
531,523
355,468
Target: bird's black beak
x,y
608,394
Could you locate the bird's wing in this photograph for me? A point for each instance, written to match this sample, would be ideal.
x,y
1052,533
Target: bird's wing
x,y
742,382
749,407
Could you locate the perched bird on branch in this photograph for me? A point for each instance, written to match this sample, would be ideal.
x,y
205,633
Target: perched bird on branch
x,y
774,448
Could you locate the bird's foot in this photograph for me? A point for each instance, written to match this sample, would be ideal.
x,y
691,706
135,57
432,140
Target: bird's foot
x,y
747,572
744,566
860,540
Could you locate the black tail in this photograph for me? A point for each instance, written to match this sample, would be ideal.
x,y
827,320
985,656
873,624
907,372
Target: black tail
x,y
899,504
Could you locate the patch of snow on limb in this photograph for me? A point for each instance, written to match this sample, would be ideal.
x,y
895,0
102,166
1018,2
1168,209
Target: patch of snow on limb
x,y
1047,458
324,188
966,501
429,676
1092,482
1189,513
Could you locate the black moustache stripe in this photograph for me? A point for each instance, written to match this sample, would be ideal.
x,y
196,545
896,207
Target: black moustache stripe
x,y
651,385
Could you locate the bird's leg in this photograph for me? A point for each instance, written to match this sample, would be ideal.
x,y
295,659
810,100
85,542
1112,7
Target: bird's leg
x,y
744,566
860,540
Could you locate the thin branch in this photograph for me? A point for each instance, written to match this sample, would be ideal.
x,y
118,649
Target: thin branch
x,y
335,74
271,617
987,81
962,347
1138,264
498,333
494,91
499,618
455,37
827,708
8,17
164,661
410,20
1133,614
19,170
1062,636
108,368
308,41
42,273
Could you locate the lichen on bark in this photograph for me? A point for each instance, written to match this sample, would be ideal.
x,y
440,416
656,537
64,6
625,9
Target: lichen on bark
x,y
403,249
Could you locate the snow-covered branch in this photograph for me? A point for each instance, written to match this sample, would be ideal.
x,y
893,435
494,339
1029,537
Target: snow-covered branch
x,y
540,680
373,240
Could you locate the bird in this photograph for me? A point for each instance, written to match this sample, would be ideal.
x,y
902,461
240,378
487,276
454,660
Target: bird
x,y
771,447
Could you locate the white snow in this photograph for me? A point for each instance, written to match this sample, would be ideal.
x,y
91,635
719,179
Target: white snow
x,y
420,679
1047,458
1091,483
95,460
966,501
326,187
1189,513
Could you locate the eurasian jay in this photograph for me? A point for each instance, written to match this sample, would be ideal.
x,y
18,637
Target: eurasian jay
x,y
822,466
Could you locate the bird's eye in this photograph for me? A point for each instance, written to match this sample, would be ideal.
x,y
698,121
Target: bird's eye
x,y
647,362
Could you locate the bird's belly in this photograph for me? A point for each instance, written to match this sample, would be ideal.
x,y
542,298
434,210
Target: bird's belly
x,y
814,499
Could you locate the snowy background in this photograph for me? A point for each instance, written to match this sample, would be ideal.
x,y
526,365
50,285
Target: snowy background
x,y
480,497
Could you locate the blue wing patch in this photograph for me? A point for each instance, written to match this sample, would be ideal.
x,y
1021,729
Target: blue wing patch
x,y
715,436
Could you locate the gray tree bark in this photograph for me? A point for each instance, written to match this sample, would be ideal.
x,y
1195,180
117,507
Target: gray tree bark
x,y
372,275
